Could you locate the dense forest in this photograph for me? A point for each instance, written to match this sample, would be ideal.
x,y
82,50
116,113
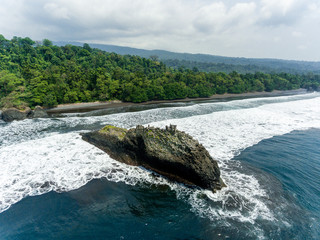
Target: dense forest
x,y
213,63
217,67
40,73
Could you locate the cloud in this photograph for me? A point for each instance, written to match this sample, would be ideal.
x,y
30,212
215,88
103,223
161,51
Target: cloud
x,y
11,15
277,12
228,27
297,34
56,11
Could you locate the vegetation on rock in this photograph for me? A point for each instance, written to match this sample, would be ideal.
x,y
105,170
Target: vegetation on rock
x,y
120,133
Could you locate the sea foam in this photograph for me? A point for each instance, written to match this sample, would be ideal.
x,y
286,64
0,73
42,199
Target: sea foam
x,y
38,156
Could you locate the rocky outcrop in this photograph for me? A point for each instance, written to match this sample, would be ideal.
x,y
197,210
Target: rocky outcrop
x,y
38,112
11,114
169,152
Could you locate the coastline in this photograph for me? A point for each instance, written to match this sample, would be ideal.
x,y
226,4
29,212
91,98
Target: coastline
x,y
91,106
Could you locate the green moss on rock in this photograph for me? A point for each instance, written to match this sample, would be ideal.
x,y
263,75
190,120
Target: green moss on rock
x,y
120,133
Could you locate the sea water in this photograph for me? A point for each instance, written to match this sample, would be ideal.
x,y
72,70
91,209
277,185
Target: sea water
x,y
54,185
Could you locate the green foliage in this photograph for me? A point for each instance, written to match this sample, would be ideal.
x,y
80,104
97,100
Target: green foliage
x,y
46,42
15,99
43,74
8,83
212,63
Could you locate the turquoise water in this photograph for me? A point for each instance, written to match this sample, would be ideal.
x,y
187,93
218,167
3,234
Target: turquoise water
x,y
53,185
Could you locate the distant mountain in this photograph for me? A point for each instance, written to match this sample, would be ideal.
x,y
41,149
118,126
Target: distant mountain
x,y
212,63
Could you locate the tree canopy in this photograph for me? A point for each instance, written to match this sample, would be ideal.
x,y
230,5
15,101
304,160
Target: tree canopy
x,y
40,73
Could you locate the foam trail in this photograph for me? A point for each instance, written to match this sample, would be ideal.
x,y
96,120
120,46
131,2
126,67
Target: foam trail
x,y
61,162
19,131
226,133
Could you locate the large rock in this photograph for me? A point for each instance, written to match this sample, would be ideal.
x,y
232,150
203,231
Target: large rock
x,y
38,112
11,114
169,152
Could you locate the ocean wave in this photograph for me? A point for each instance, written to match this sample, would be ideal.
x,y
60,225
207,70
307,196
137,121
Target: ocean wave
x,y
45,155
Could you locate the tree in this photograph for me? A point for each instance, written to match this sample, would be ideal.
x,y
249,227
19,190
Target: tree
x,y
154,58
44,74
258,86
87,47
8,83
46,42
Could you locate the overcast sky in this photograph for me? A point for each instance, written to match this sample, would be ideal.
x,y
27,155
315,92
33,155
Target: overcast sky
x,y
287,29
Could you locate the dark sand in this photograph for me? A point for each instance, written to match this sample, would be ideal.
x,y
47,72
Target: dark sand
x,y
86,107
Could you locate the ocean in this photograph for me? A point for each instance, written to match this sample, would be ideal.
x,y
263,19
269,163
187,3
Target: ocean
x,y
54,185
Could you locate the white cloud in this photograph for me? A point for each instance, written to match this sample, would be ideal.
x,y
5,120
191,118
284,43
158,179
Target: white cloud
x,y
302,47
218,18
276,12
269,7
56,11
229,27
11,16
297,34
210,17
276,39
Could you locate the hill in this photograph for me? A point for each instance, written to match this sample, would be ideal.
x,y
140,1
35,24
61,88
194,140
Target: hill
x,y
212,63
40,73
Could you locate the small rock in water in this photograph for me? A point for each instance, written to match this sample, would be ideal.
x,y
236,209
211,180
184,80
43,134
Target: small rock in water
x,y
10,114
38,112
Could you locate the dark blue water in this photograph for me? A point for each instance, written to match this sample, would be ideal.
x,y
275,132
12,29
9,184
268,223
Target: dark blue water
x,y
294,159
104,210
287,166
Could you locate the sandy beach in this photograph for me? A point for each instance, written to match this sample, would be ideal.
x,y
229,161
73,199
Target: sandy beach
x,y
90,106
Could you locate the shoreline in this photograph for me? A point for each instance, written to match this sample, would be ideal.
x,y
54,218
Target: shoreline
x,y
91,106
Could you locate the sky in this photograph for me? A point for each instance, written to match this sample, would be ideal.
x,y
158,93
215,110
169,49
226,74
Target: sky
x,y
285,29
